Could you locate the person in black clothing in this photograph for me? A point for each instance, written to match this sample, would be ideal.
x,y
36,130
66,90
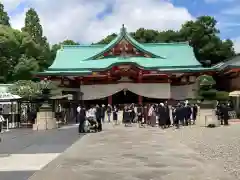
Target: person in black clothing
x,y
188,112
225,110
194,113
139,114
167,114
103,110
115,114
109,111
162,116
98,118
81,116
178,115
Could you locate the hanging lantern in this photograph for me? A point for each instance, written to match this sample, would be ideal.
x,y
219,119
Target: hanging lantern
x,y
192,79
184,79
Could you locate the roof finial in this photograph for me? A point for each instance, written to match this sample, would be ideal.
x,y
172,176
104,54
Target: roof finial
x,y
123,29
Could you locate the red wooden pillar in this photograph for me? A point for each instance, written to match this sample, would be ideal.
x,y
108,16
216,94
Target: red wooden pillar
x,y
140,98
110,100
109,97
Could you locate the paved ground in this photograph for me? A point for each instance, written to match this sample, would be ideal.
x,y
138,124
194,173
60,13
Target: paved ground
x,y
131,154
23,151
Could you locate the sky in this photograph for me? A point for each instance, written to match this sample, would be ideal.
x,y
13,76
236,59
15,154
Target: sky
x,y
88,21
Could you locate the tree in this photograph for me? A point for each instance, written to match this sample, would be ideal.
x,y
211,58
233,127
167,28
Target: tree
x,y
29,89
25,68
14,45
25,89
34,28
4,18
108,39
202,36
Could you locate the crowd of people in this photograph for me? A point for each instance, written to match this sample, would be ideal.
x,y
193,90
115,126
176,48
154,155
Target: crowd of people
x,y
161,115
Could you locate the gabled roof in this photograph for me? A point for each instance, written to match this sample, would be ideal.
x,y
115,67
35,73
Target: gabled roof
x,y
82,59
124,35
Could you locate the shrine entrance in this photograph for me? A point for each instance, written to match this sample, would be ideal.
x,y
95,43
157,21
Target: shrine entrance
x,y
125,97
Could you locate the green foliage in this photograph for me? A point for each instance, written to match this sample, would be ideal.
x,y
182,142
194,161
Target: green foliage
x,y
208,94
4,18
26,89
34,29
222,95
16,45
25,68
30,89
213,94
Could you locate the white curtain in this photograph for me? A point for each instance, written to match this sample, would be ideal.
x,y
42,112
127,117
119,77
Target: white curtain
x,y
91,92
151,90
182,92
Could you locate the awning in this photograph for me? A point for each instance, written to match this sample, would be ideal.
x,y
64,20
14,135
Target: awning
x,y
234,94
8,96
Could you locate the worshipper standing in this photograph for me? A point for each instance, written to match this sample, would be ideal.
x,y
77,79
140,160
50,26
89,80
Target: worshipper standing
x,y
98,118
139,114
173,115
103,110
194,113
126,115
188,114
78,113
145,114
115,115
178,115
132,112
82,118
162,116
109,111
225,110
152,115
167,114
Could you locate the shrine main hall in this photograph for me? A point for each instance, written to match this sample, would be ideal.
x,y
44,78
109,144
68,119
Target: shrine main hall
x,y
126,71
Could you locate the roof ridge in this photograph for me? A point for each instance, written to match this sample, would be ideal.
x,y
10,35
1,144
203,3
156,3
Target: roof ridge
x,y
171,43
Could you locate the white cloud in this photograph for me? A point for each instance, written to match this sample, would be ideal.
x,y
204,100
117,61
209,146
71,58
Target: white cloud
x,y
10,4
76,19
236,42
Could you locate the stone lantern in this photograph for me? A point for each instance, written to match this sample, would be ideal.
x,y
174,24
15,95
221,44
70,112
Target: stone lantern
x,y
45,117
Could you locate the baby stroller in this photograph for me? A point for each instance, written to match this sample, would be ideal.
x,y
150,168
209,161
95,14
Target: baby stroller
x,y
90,125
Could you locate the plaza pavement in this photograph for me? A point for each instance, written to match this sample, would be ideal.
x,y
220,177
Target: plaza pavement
x,y
23,151
131,153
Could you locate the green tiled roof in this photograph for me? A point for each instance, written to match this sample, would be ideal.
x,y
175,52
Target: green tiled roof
x,y
81,59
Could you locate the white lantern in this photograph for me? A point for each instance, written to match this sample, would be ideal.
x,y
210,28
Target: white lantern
x,y
192,79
